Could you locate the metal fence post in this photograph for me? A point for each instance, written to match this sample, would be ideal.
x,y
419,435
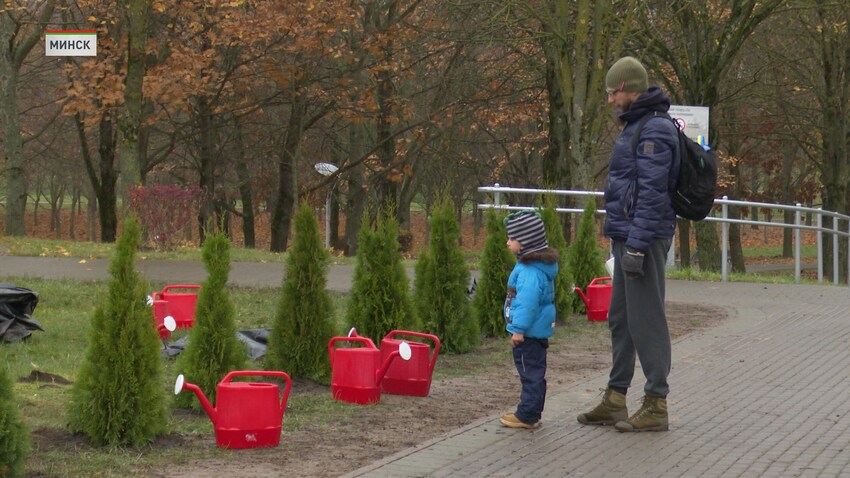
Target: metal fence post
x,y
724,246
819,239
797,222
835,250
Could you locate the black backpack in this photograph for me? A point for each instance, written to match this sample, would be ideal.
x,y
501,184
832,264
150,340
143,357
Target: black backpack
x,y
697,182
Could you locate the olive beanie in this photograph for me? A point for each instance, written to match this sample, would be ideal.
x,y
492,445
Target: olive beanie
x,y
527,228
627,74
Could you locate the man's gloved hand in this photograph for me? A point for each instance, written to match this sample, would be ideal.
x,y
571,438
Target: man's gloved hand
x,y
632,263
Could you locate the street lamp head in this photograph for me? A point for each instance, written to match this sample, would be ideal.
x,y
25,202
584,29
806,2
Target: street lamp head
x,y
325,169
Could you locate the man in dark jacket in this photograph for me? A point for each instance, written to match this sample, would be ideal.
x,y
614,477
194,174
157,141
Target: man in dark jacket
x,y
640,222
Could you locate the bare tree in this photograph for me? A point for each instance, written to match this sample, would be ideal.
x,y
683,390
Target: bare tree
x,y
693,46
816,74
21,26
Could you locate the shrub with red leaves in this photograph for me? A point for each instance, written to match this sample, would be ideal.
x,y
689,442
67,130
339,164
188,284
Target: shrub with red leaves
x,y
163,210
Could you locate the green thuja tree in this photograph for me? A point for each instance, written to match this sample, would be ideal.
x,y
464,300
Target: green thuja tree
x,y
379,300
441,282
213,349
14,439
423,273
564,292
497,261
118,398
303,324
586,260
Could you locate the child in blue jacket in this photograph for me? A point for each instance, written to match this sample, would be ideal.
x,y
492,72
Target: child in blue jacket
x,y
530,312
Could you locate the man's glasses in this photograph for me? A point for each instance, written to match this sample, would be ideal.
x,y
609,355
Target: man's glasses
x,y
611,92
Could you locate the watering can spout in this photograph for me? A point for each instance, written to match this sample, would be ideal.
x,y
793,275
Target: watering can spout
x,y
403,351
181,384
597,298
583,297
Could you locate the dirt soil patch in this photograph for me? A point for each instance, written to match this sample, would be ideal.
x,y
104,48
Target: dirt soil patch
x,y
398,422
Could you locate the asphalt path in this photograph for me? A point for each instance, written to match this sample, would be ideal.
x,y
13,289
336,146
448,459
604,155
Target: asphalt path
x,y
242,274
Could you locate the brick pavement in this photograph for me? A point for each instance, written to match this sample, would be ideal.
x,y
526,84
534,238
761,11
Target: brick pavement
x,y
762,395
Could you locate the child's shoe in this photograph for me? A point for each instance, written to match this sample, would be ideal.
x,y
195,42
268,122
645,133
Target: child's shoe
x,y
511,421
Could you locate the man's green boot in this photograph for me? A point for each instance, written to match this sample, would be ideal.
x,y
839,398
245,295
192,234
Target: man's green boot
x,y
610,411
652,417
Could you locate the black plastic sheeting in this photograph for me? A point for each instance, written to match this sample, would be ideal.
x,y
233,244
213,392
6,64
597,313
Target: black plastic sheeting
x,y
255,340
16,306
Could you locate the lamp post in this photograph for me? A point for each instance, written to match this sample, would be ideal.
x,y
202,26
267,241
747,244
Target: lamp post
x,y
326,169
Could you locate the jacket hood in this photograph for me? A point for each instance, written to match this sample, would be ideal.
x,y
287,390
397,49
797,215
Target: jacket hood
x,y
546,261
653,100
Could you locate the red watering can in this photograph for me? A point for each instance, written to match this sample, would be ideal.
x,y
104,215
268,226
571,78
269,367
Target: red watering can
x,y
164,321
247,414
598,299
411,377
173,307
357,372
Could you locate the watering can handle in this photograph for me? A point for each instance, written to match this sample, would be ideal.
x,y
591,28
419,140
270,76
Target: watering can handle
x,y
263,373
599,279
423,335
180,286
366,341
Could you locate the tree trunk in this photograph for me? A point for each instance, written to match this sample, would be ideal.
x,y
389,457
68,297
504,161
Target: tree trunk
x,y
144,144
206,172
405,198
834,199
387,185
355,204
137,13
91,216
708,246
245,189
736,249
287,178
556,165
555,161
72,219
102,179
378,18
57,200
105,189
334,233
36,202
14,149
19,32
835,131
684,227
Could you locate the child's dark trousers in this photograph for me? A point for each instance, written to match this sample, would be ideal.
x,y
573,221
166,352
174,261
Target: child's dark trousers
x,y
530,360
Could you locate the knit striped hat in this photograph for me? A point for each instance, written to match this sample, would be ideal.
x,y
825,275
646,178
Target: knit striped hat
x,y
527,228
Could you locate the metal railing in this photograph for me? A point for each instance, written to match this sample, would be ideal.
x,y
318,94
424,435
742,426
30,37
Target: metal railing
x,y
797,227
